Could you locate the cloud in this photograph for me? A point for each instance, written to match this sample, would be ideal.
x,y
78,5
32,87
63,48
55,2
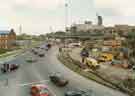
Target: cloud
x,y
45,4
124,7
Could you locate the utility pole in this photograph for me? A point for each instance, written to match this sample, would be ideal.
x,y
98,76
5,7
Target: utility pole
x,y
66,16
51,30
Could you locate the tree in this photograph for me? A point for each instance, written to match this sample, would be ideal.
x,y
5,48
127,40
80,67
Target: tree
x,y
60,33
12,30
23,37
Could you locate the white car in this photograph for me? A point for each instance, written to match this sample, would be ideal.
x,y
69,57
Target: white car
x,y
72,45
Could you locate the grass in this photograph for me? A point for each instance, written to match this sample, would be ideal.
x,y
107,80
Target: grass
x,y
8,52
2,51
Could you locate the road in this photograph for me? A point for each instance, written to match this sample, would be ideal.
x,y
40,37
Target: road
x,y
39,72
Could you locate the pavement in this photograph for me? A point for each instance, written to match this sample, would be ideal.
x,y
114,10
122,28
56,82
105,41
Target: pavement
x,y
18,83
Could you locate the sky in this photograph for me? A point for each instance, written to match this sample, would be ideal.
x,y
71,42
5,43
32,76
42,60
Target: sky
x,y
43,16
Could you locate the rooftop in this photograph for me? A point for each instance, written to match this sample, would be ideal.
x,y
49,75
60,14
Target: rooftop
x,y
4,32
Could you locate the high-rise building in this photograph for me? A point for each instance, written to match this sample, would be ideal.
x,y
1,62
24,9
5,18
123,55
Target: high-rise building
x,y
100,20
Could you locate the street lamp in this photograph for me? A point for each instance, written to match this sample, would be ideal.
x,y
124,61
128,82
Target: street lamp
x,y
66,16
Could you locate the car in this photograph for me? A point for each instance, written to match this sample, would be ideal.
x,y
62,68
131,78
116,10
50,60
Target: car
x,y
133,67
41,54
73,45
35,51
6,67
37,47
48,46
42,48
14,67
57,79
114,62
78,92
32,50
40,90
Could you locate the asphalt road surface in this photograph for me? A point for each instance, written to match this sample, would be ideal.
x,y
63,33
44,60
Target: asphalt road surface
x,y
18,83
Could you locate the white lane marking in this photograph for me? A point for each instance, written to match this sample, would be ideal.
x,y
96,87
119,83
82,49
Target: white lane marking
x,y
25,84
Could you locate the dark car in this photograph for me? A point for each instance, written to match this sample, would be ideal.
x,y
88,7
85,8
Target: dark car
x,y
42,48
133,67
58,80
32,50
6,67
48,46
14,67
37,47
41,54
79,93
35,51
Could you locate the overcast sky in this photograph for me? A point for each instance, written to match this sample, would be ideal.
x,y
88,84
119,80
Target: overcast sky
x,y
42,16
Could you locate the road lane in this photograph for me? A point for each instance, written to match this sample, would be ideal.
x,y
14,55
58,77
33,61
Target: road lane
x,y
40,70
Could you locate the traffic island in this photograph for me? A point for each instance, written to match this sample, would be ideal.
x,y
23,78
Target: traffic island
x,y
75,65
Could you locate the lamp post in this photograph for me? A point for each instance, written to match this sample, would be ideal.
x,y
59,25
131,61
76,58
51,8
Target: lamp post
x,y
66,16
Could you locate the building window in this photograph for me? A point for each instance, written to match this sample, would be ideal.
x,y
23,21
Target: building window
x,y
6,36
6,41
6,46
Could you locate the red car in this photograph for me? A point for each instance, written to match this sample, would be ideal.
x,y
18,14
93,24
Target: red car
x,y
40,90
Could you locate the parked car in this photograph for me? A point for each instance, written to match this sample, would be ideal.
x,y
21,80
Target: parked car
x,y
59,80
79,93
40,90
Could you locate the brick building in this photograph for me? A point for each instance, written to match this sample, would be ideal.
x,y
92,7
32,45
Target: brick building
x,y
7,39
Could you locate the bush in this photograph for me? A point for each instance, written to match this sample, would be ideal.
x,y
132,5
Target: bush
x,y
4,50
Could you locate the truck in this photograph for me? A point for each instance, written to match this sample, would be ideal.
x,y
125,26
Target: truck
x,y
105,57
91,63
